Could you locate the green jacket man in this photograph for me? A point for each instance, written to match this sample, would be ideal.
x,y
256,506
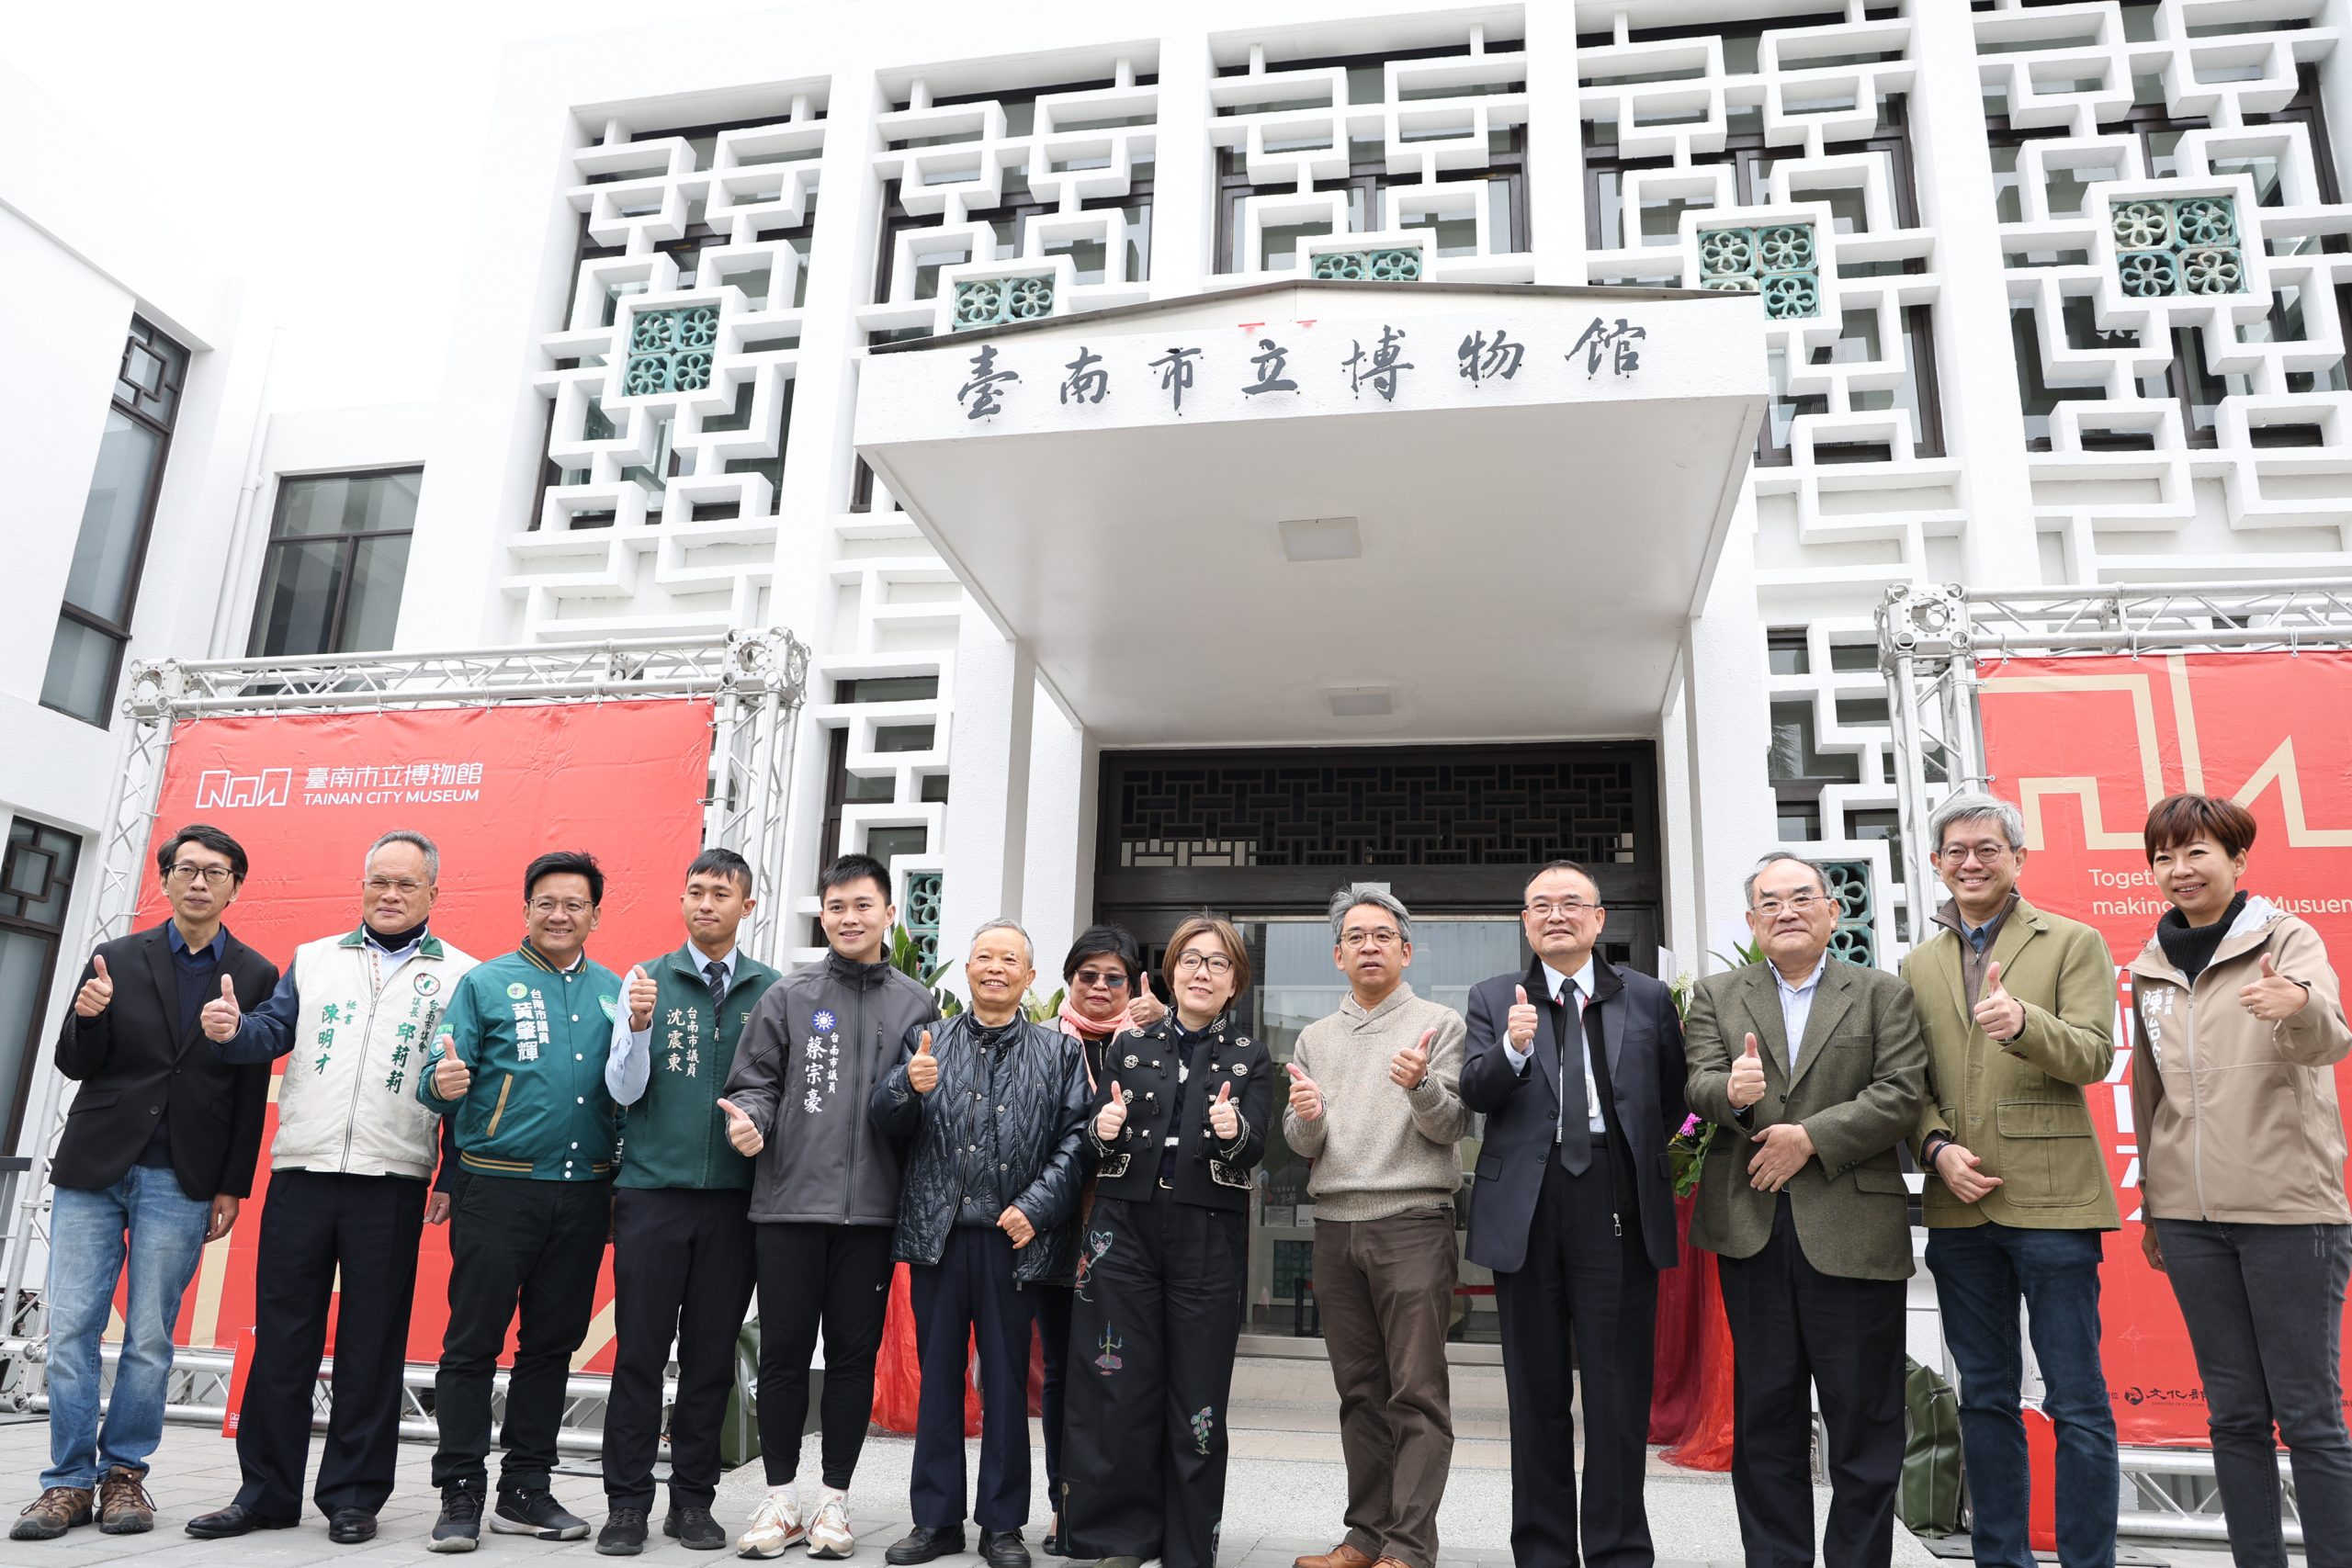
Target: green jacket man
x,y
534,1038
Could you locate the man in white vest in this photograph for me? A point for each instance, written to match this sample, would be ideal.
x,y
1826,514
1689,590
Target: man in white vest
x,y
354,1016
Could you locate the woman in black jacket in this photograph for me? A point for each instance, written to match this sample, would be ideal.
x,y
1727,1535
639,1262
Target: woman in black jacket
x,y
1179,1127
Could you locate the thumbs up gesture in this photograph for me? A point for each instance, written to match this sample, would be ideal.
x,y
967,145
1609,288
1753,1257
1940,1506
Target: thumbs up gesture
x,y
1146,1010
745,1137
221,1014
1746,1086
96,992
451,1076
1306,1099
1411,1064
1998,1014
922,1067
1518,1027
1224,1117
643,995
1112,1119
2271,995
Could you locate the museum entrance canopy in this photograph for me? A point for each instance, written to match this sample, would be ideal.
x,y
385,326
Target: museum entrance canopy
x,y
1336,511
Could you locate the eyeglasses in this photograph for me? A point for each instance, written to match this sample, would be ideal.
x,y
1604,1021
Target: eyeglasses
x,y
1803,902
1214,963
1089,979
213,876
1544,909
405,886
574,907
1961,855
1383,936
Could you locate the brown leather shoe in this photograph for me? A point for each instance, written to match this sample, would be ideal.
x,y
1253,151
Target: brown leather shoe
x,y
51,1515
1340,1556
124,1507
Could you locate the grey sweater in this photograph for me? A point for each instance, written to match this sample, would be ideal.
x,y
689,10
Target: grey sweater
x,y
1379,1150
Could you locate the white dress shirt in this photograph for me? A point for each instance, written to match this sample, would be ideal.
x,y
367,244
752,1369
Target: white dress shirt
x,y
1582,980
1796,1006
629,1063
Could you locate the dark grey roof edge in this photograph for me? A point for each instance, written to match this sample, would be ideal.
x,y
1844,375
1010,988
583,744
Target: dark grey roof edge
x,y
1336,285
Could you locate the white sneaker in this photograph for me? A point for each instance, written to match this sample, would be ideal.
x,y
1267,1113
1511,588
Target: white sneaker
x,y
775,1528
828,1536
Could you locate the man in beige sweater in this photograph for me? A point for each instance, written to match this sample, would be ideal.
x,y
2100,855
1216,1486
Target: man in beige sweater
x,y
1374,1104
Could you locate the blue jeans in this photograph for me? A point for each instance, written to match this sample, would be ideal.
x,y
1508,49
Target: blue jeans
x,y
1982,1273
87,1247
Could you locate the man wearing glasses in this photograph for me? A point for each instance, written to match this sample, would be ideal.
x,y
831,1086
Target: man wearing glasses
x,y
355,1015
2017,1005
1578,1066
1812,1070
1373,1104
157,1153
518,1062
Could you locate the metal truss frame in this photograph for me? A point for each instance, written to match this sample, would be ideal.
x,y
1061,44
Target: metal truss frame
x,y
1931,639
757,682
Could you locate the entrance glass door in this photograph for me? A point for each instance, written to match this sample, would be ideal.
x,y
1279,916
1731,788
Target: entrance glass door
x,y
1298,983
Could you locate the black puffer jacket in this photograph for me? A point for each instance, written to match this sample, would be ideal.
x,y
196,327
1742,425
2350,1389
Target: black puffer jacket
x,y
1033,1124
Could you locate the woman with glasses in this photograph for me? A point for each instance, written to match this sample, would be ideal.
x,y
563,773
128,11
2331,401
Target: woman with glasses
x,y
2242,1176
1106,992
1180,1126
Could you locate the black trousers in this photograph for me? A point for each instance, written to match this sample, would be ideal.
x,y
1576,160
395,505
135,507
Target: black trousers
x,y
315,1225
1054,1303
682,1271
1152,1334
969,1296
517,1245
1581,1310
1792,1326
839,1276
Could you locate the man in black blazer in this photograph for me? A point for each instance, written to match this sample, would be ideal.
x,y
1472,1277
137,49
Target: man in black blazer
x,y
158,1151
1578,1066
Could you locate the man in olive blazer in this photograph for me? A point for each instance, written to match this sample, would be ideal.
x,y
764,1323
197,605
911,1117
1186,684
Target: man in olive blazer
x,y
2018,1009
1812,1070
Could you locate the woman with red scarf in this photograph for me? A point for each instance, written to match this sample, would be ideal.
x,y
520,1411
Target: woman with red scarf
x,y
1106,989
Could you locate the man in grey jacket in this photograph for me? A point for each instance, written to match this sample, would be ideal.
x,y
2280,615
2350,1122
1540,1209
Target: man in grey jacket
x,y
824,1194
1374,1104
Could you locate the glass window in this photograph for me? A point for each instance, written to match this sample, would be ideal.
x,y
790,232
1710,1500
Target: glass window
x,y
114,518
338,558
35,890
82,663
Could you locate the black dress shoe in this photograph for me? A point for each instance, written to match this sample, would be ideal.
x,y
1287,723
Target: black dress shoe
x,y
234,1520
349,1526
1002,1548
921,1545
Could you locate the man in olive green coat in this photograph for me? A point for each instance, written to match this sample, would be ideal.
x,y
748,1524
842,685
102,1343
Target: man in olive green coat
x,y
1812,1070
2019,1007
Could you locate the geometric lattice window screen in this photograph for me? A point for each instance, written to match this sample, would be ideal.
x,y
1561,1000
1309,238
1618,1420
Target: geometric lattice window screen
x,y
987,301
669,351
1777,261
1853,938
2185,247
1386,266
923,895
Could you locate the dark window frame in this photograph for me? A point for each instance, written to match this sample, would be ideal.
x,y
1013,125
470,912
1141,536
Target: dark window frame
x,y
143,334
2147,121
338,617
53,937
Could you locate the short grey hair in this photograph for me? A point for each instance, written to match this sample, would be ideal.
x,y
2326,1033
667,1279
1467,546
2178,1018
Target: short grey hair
x,y
1748,889
1006,923
408,836
1972,806
1356,894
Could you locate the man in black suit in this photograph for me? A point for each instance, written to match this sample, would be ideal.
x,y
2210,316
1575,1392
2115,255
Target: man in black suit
x,y
1578,1066
158,1151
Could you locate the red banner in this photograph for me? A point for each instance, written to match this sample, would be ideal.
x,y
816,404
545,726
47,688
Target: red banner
x,y
492,787
2084,746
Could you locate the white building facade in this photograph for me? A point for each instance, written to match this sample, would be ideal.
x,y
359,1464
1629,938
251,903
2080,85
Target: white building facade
x,y
2050,294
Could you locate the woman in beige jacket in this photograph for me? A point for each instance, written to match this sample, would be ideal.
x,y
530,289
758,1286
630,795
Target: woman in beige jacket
x,y
2242,1173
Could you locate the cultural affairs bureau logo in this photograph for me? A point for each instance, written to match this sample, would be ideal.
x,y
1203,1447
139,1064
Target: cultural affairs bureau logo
x,y
219,789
